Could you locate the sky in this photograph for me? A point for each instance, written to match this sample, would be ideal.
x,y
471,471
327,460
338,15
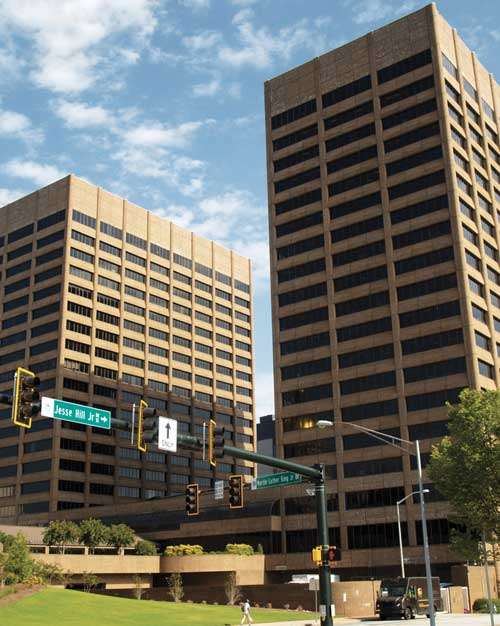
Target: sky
x,y
161,102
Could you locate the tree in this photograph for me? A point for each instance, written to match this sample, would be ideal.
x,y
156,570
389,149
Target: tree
x,y
465,467
175,587
120,536
145,548
93,533
89,581
233,592
17,565
61,533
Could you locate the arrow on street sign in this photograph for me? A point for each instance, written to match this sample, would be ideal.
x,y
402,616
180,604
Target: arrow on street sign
x,y
167,434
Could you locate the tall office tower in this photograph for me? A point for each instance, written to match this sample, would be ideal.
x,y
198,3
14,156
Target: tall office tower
x,y
109,303
384,210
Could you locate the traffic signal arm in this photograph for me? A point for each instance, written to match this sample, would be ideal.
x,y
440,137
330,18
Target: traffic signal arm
x,y
26,397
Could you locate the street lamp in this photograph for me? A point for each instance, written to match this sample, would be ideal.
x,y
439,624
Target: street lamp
x,y
399,528
391,440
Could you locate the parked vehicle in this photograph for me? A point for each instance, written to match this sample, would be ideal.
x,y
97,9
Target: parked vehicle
x,y
406,597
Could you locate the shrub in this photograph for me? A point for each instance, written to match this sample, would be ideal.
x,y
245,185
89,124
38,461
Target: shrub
x,y
145,548
243,549
481,605
175,587
183,550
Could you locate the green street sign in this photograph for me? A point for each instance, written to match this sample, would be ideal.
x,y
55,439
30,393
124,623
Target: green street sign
x,y
78,413
276,480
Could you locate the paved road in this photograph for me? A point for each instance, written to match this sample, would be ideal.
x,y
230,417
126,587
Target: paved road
x,y
442,619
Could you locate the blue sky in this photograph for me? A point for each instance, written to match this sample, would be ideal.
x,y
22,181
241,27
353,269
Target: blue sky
x,y
161,101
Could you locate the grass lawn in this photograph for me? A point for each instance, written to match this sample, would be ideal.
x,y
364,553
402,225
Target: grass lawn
x,y
6,591
51,607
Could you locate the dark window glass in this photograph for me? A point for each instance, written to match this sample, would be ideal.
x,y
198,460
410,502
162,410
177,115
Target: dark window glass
x,y
357,228
365,440
365,329
431,285
298,201
438,531
360,278
367,355
16,286
366,383
429,314
307,394
370,301
37,446
433,399
48,291
305,343
299,224
15,321
49,327
12,339
301,319
298,271
346,91
17,269
20,233
297,179
432,342
358,204
373,498
36,487
400,117
292,138
45,241
373,466
15,303
21,251
49,220
354,158
406,91
76,385
309,448
404,66
417,184
309,368
434,370
348,115
298,247
433,257
428,430
72,444
49,256
293,114
355,254
346,138
8,451
8,471
86,220
11,357
71,485
421,234
305,293
297,157
305,505
370,410
370,536
414,160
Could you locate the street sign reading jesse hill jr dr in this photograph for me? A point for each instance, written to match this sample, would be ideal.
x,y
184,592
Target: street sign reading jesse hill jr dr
x,y
78,413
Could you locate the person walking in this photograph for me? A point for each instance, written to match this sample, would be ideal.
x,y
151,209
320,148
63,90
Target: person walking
x,y
246,612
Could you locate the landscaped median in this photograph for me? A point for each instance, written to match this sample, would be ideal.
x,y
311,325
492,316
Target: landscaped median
x,y
73,608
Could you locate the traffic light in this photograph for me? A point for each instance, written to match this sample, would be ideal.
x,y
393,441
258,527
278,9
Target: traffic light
x,y
26,397
331,553
145,412
316,555
236,491
215,442
193,499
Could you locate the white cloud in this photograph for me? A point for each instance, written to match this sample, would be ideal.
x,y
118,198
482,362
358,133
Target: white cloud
x,y
9,195
157,134
17,125
65,40
259,48
243,3
202,41
264,393
366,11
38,173
207,89
82,115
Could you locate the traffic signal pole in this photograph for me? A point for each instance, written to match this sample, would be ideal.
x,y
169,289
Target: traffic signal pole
x,y
316,475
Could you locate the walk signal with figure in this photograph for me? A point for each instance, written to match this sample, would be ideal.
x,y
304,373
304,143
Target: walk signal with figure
x,y
236,491
26,397
145,413
332,553
215,442
193,499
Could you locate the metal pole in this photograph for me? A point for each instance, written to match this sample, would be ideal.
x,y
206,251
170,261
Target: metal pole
x,y
400,543
133,425
486,573
430,593
204,439
325,584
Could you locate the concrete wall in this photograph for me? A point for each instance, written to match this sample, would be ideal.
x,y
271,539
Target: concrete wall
x,y
102,564
249,569
473,577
